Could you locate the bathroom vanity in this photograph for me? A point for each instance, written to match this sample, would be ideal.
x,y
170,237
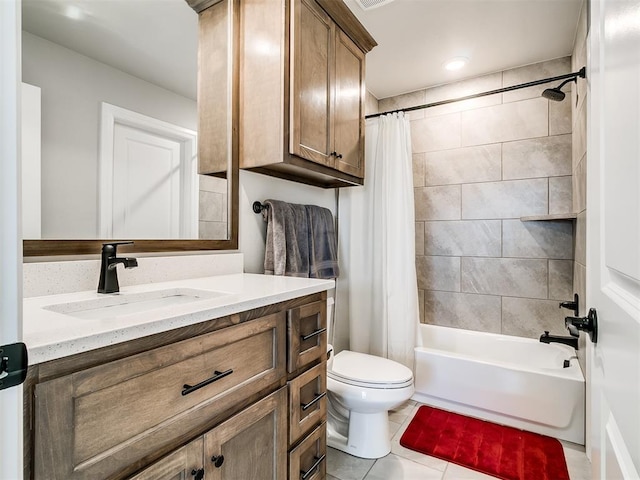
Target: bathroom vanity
x,y
223,386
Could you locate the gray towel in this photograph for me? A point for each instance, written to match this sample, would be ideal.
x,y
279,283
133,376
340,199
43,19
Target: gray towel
x,y
301,241
287,244
323,246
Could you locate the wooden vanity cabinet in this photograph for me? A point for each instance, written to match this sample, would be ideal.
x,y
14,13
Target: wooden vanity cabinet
x,y
307,385
302,89
251,445
172,405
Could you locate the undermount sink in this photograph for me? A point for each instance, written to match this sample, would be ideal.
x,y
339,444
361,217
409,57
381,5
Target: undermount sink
x,y
117,305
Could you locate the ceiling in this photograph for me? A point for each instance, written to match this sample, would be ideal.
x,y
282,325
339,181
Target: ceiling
x,y
156,40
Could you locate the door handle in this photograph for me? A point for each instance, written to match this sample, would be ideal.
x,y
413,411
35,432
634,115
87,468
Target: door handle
x,y
187,389
14,362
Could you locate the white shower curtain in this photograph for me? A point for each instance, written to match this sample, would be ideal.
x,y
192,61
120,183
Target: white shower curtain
x,y
377,291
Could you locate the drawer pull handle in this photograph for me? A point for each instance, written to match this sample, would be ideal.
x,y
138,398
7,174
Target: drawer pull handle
x,y
217,460
312,334
306,406
187,389
307,474
197,474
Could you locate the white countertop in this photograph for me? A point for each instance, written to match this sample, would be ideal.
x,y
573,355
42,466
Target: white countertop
x,y
50,335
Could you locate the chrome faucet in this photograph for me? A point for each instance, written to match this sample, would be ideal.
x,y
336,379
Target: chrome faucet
x,y
108,282
572,341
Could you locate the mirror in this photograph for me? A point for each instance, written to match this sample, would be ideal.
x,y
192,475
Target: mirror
x,y
118,118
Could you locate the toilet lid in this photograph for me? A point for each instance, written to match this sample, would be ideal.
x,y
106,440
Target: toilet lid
x,y
366,369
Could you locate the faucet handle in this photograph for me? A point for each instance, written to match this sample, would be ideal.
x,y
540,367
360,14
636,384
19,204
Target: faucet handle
x,y
111,247
575,305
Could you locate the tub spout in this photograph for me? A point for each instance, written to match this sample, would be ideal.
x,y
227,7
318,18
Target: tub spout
x,y
571,341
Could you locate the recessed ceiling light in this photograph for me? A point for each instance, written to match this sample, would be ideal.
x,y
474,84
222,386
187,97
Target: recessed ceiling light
x,y
455,63
73,12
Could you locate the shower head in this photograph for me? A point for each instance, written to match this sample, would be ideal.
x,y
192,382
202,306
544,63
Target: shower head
x,y
554,94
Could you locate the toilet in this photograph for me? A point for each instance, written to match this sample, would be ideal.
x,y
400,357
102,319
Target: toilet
x,y
361,390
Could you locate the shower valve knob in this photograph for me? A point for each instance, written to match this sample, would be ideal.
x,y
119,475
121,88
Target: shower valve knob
x,y
587,324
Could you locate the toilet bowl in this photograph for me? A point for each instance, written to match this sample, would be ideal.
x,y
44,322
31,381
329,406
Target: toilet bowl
x,y
361,390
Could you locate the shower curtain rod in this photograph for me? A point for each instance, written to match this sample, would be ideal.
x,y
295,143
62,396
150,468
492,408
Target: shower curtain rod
x,y
581,73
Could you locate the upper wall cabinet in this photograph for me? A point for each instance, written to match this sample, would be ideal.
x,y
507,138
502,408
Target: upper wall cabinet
x,y
301,89
298,94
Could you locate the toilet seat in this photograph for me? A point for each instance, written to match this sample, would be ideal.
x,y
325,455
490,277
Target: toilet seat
x,y
369,371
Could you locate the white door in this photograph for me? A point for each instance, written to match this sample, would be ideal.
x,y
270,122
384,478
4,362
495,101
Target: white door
x,y
10,240
146,184
613,236
147,176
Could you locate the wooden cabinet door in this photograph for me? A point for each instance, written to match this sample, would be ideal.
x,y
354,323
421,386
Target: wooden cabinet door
x,y
252,444
349,107
185,463
312,44
96,423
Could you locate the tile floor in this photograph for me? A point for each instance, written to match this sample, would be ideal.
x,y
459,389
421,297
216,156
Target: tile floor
x,y
404,464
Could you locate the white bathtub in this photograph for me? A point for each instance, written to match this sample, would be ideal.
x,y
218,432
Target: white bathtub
x,y
513,381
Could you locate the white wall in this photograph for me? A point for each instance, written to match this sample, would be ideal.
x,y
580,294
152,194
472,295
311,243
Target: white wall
x,y
254,186
72,88
30,134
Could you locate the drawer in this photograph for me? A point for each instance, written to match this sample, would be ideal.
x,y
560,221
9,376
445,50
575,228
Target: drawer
x,y
308,460
93,423
306,334
307,401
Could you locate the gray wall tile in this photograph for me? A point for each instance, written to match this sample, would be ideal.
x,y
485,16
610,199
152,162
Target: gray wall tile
x,y
511,199
419,233
437,203
561,279
212,184
212,230
399,102
560,121
438,273
370,104
507,122
584,310
211,206
560,200
579,186
421,305
435,133
529,318
463,165
579,147
463,310
512,277
537,239
464,88
581,238
580,285
476,238
537,157
529,73
418,169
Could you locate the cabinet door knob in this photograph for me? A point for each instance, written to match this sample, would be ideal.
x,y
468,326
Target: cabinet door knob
x,y
217,460
335,154
197,474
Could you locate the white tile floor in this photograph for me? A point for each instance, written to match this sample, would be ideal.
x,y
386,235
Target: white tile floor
x,y
405,464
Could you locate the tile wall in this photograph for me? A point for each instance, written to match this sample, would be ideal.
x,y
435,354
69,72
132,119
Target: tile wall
x,y
212,211
479,165
579,169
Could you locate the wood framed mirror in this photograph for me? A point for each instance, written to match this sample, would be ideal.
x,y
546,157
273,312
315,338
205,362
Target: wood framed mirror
x,y
115,109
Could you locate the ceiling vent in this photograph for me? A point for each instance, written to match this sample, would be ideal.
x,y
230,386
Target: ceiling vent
x,y
371,4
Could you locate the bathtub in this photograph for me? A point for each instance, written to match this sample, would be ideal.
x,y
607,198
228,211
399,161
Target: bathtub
x,y
513,381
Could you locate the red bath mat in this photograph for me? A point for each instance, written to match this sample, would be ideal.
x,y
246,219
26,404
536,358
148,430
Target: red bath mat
x,y
496,450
